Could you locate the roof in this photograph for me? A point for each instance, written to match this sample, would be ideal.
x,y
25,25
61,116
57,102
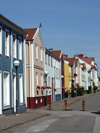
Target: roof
x,y
76,60
88,60
70,60
82,64
31,33
12,25
49,51
56,52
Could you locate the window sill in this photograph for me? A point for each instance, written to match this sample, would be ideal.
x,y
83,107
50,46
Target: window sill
x,y
6,56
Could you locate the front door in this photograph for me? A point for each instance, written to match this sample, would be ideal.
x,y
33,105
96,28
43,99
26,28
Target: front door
x,y
0,95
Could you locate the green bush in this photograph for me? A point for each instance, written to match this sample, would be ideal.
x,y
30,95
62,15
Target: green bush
x,y
90,89
66,94
95,88
80,91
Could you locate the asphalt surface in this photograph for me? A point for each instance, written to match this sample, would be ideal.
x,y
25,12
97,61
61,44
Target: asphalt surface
x,y
59,120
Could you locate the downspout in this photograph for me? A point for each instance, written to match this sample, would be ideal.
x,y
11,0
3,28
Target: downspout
x,y
29,75
24,66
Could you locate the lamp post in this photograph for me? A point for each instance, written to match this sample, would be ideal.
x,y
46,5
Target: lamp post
x,y
46,73
16,64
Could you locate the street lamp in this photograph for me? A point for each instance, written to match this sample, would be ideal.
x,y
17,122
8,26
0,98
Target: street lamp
x,y
16,64
46,73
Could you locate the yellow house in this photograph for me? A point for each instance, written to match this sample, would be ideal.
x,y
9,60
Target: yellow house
x,y
67,76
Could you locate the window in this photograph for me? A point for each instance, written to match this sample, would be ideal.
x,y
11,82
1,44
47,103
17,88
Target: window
x,y
20,49
14,46
41,79
48,81
0,40
41,54
58,65
45,58
49,60
36,78
36,51
21,88
54,62
6,89
6,43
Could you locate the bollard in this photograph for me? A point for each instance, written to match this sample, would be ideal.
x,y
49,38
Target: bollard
x,y
66,105
50,104
83,103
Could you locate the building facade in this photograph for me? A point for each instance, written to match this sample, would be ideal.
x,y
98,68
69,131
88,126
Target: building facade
x,y
34,69
12,79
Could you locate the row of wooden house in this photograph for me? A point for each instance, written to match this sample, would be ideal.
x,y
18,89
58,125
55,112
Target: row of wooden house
x,y
31,74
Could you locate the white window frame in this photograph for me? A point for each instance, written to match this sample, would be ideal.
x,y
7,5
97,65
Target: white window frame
x,y
41,54
41,79
54,62
48,81
45,58
48,59
36,51
6,43
14,46
21,88
20,47
36,78
6,89
0,39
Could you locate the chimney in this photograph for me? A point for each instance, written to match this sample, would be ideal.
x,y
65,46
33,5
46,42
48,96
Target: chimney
x,y
51,49
65,55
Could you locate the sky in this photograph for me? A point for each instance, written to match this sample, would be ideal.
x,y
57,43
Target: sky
x,y
72,26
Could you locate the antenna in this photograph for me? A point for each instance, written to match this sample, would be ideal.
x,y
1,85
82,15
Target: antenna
x,y
68,49
40,25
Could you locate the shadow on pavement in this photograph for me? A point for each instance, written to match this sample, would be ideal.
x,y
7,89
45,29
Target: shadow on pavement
x,y
98,112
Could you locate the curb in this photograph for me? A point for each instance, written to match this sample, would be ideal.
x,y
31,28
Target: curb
x,y
23,122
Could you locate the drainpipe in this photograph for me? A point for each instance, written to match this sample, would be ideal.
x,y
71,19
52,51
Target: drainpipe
x,y
29,75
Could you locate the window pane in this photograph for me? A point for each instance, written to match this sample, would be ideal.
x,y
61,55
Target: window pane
x,y
6,89
6,43
21,88
20,48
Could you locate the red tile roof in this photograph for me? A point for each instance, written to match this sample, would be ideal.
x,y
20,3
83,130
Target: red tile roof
x,y
80,56
88,60
70,60
56,52
83,64
31,33
76,60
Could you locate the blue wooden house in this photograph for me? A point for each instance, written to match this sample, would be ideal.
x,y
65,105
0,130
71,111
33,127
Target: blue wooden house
x,y
12,44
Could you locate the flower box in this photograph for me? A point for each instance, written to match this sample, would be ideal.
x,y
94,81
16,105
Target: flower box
x,y
38,87
43,87
48,87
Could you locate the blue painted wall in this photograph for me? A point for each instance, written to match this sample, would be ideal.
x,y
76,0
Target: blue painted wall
x,y
5,64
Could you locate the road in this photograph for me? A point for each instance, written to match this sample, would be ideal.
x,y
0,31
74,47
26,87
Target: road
x,y
76,121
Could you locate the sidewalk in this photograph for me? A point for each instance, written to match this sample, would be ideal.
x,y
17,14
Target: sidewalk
x,y
60,105
14,120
